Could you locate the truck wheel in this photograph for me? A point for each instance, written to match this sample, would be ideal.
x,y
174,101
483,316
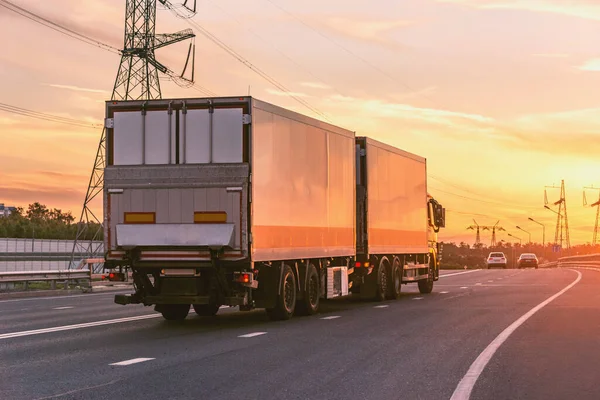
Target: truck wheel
x,y
206,310
174,312
286,302
396,286
426,285
309,305
383,281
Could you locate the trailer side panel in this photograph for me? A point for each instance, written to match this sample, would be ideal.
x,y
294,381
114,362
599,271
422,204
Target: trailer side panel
x,y
396,200
303,202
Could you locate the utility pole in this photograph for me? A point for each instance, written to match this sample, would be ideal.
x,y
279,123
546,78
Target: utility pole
x,y
543,234
597,205
137,79
529,242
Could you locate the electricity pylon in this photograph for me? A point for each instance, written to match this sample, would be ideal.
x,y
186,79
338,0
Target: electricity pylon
x,y
475,227
562,222
493,228
137,79
597,205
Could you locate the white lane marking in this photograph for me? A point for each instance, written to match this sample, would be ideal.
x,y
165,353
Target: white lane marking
x,y
417,298
465,386
132,361
253,334
444,292
77,326
490,281
464,287
331,317
382,306
478,284
63,308
459,273
111,293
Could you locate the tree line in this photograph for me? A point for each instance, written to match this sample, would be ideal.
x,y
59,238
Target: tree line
x,y
40,222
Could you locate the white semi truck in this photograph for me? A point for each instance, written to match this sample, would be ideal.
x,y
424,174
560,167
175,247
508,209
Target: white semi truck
x,y
235,201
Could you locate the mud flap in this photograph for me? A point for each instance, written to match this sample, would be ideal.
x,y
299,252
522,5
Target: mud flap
x,y
269,278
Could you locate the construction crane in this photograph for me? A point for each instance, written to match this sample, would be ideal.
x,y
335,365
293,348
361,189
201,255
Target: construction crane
x,y
137,79
597,205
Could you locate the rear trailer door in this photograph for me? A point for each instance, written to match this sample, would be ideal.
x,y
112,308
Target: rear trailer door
x,y
176,183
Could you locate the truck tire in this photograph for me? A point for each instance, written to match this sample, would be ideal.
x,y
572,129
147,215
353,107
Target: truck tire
x,y
206,310
309,304
396,285
383,280
173,312
286,301
426,285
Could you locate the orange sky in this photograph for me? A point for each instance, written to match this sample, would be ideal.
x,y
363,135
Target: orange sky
x,y
499,95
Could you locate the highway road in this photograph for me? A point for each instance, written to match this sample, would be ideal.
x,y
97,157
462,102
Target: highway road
x,y
484,334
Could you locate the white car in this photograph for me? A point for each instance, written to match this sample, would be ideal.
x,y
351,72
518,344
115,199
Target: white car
x,y
496,259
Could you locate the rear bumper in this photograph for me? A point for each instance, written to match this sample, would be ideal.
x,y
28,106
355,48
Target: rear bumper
x,y
496,265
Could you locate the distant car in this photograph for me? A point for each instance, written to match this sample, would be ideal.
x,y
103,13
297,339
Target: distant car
x,y
527,260
496,259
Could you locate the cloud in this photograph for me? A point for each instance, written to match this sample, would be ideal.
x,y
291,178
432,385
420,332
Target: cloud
x,y
590,65
369,31
284,94
551,55
383,109
315,85
588,9
60,197
415,94
76,88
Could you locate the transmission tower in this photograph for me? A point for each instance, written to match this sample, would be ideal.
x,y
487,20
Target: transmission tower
x,y
137,79
475,227
561,234
597,205
493,228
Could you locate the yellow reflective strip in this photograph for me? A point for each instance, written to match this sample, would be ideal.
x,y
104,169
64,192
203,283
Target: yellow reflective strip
x,y
140,218
204,217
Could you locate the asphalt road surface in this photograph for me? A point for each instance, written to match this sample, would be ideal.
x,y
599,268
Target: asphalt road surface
x,y
486,334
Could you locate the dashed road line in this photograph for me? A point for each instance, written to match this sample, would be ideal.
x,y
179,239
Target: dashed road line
x,y
63,308
464,287
444,292
417,298
331,317
459,273
253,334
132,361
76,326
478,284
382,306
465,386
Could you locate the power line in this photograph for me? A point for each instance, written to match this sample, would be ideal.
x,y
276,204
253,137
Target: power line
x,y
277,49
338,44
478,194
57,27
47,117
85,39
244,61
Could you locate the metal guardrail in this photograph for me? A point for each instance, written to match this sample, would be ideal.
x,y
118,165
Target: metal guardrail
x,y
53,277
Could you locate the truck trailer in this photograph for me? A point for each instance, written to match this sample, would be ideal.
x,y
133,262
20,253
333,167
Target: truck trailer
x,y
234,201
